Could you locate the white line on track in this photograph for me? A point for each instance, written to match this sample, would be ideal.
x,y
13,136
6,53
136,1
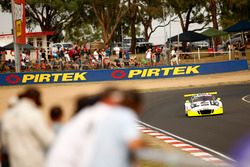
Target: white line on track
x,y
188,141
245,99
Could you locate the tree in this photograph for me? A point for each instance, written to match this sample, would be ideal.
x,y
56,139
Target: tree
x,y
188,12
50,15
233,11
149,11
212,7
82,34
5,5
133,11
109,14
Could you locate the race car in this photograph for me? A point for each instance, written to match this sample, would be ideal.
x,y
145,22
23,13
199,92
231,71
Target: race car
x,y
203,104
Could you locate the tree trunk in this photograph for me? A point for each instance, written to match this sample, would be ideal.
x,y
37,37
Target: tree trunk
x,y
213,9
133,11
146,35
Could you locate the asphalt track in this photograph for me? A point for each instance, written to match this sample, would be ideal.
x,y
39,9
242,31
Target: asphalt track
x,y
165,110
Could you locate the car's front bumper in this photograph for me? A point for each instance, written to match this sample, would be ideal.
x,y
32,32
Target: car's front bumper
x,y
191,113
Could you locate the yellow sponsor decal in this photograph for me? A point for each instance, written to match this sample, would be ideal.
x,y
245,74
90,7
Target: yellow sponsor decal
x,y
55,77
18,28
156,72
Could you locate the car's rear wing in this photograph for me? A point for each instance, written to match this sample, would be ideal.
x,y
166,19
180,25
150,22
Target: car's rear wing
x,y
194,94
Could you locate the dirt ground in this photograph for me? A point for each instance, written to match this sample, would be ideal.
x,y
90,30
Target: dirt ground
x,y
65,95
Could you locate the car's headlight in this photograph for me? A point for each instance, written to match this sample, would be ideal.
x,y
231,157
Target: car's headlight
x,y
216,103
194,105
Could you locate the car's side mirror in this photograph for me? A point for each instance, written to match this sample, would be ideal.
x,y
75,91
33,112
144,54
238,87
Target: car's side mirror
x,y
218,99
187,101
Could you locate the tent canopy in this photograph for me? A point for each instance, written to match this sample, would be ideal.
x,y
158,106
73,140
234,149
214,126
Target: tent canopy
x,y
189,36
241,26
212,32
11,46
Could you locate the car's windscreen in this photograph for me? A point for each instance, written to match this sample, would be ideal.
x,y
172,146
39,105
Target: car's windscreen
x,y
202,98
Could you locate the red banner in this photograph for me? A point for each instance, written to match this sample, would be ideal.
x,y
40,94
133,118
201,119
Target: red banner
x,y
18,11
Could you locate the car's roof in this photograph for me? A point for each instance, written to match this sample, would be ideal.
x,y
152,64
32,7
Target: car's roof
x,y
202,94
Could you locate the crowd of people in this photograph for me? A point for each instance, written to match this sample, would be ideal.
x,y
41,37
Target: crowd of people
x,y
81,58
101,133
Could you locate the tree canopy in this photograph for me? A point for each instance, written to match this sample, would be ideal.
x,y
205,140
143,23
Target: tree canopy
x,y
111,20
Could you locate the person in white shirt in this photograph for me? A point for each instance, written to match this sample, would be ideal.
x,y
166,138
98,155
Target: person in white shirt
x,y
174,57
102,135
149,56
117,50
25,134
96,56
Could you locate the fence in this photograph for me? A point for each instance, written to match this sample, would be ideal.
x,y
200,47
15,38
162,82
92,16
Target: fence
x,y
122,74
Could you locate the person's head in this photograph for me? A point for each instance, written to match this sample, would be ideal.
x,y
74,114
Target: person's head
x,y
32,94
56,114
86,101
112,96
132,99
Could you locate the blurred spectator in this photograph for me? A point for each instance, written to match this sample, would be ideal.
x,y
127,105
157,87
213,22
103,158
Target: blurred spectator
x,y
3,151
56,116
116,133
25,133
100,132
86,101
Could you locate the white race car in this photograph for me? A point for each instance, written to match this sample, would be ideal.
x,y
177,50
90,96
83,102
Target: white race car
x,y
203,104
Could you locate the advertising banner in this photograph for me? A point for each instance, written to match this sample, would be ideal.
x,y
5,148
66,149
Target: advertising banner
x,y
19,20
121,74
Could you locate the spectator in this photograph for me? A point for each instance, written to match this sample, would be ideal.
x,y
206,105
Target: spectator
x,y
118,62
99,132
149,56
242,49
25,133
174,57
86,101
108,52
3,151
236,50
43,54
96,56
56,116
158,55
61,53
117,50
153,58
108,141
66,55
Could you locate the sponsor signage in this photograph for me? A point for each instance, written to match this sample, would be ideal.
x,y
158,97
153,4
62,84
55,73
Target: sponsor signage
x,y
19,19
121,74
